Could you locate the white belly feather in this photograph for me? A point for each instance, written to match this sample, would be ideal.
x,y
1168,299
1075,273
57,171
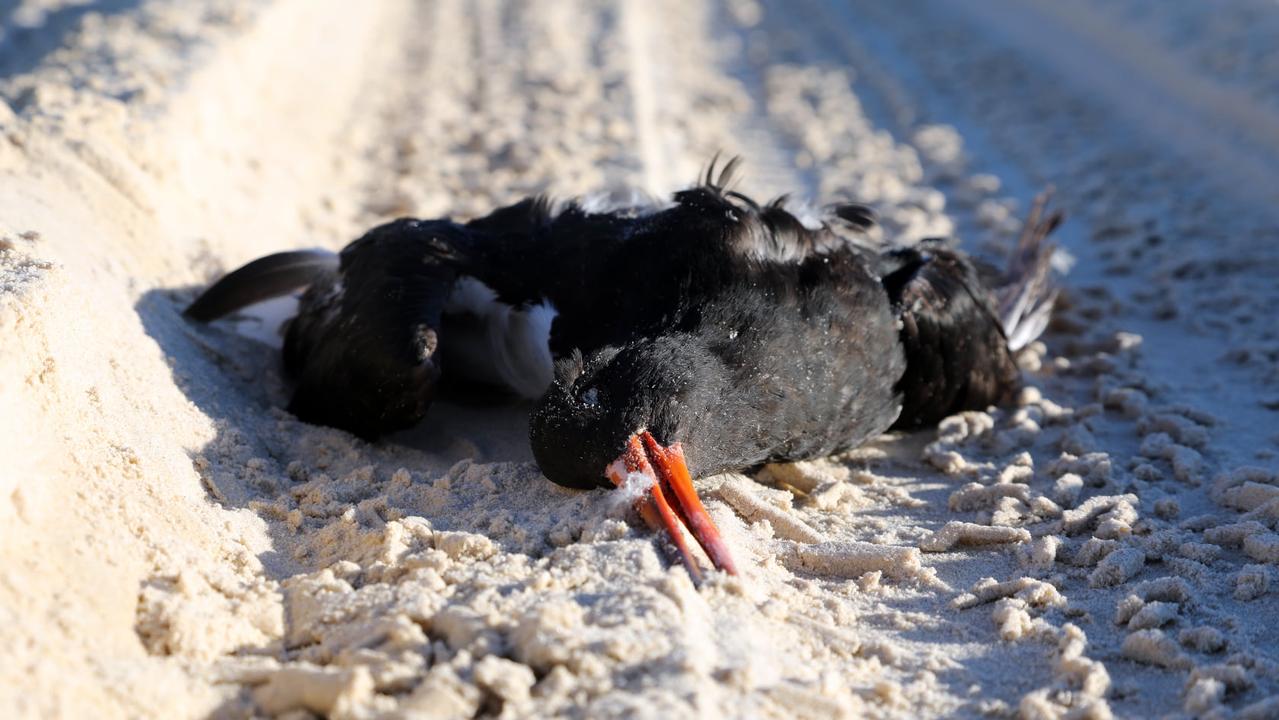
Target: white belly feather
x,y
497,344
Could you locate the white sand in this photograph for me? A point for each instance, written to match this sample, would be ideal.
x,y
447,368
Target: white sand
x,y
172,544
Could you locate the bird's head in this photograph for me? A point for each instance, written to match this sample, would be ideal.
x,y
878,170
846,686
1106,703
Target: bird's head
x,y
633,410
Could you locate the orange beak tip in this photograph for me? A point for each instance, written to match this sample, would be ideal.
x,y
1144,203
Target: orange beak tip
x,y
670,501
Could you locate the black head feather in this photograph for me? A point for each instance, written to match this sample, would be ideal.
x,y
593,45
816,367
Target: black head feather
x,y
667,385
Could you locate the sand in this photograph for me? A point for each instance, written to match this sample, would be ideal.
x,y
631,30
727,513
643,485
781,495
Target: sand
x,y
174,544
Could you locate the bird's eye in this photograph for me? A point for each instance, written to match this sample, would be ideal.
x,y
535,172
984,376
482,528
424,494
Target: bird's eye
x,y
590,397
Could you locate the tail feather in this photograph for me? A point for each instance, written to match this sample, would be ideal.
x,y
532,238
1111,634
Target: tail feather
x,y
1026,295
265,278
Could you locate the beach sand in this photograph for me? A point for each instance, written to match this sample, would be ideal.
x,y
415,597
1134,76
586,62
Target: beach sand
x,y
174,544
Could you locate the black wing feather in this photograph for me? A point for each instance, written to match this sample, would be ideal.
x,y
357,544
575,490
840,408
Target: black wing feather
x,y
364,344
957,357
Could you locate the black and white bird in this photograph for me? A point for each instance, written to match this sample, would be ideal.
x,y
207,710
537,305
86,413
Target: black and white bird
x,y
705,334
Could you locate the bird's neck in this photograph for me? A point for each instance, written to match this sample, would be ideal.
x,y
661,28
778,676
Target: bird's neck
x,y
710,415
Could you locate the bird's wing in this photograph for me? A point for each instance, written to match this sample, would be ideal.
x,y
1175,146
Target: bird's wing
x,y
364,346
957,356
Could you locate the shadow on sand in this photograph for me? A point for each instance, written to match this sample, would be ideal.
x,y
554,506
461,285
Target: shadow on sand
x,y
239,384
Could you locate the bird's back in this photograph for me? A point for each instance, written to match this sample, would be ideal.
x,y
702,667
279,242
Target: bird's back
x,y
812,349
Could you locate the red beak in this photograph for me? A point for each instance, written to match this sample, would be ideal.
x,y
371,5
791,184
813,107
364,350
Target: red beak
x,y
671,500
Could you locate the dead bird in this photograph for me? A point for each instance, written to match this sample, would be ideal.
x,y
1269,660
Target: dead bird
x,y
662,341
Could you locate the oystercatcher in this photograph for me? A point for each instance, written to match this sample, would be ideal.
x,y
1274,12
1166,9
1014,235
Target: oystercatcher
x,y
662,340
